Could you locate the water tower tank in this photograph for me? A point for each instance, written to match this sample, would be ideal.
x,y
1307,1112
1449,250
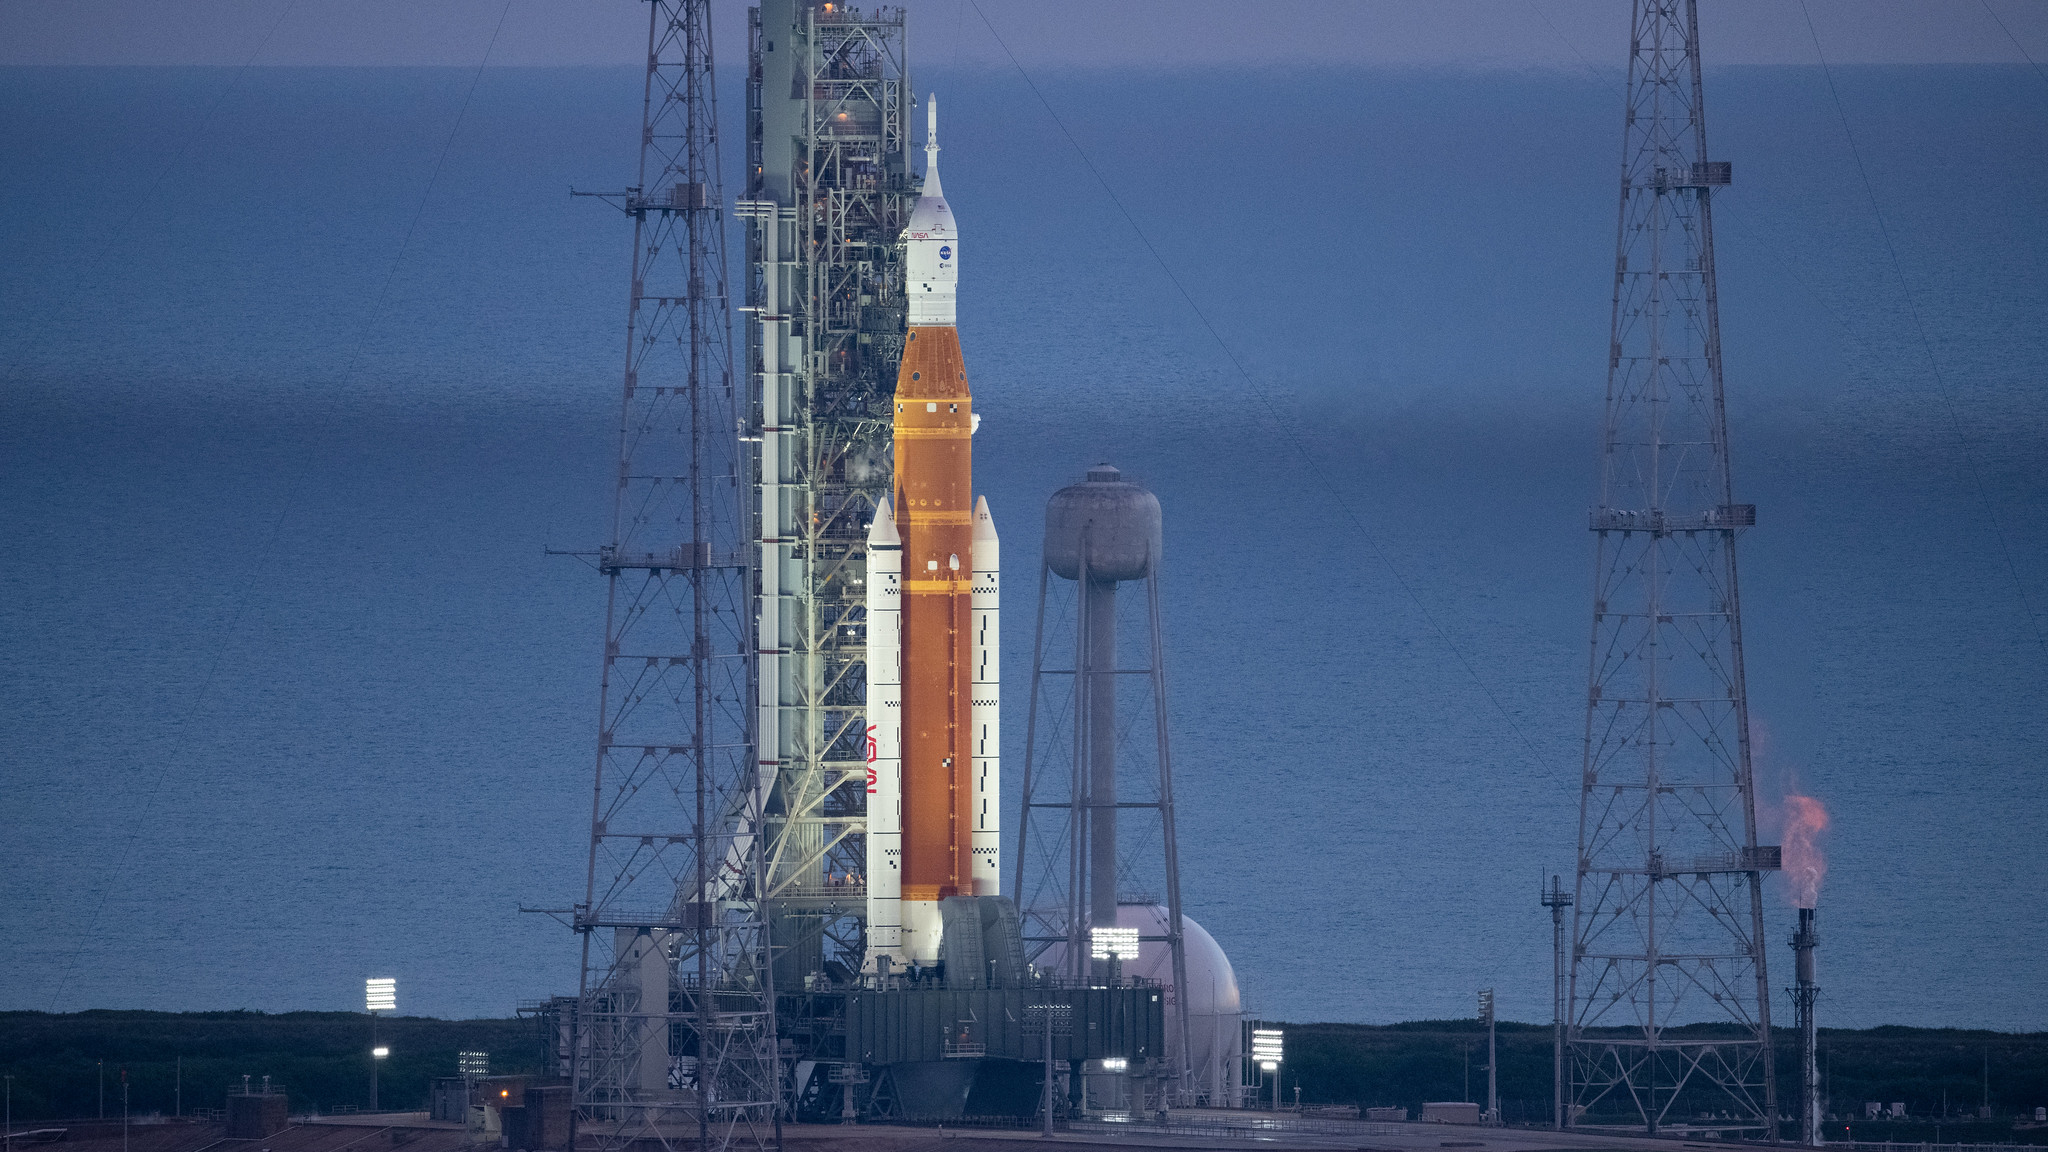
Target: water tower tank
x,y
1115,523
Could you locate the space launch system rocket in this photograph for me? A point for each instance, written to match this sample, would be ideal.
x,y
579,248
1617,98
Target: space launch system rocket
x,y
934,784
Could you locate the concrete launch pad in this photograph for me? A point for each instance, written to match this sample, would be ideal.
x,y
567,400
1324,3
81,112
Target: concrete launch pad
x,y
1191,1130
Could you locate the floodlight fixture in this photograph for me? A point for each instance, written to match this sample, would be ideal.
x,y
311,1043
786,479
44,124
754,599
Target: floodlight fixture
x,y
380,994
1115,1064
1267,1047
473,1063
380,1052
1114,943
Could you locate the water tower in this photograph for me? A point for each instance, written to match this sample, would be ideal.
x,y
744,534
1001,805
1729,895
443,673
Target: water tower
x,y
1088,794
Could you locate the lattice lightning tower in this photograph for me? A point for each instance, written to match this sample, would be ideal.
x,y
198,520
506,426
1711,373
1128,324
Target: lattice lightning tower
x,y
1668,917
673,1039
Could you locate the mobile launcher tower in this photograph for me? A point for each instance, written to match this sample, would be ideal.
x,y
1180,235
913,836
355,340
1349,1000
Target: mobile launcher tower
x,y
830,188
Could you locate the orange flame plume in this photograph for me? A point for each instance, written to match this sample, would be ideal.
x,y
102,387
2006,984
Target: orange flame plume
x,y
1805,866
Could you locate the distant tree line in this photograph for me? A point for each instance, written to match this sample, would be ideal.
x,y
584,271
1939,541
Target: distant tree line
x,y
1939,1074
322,1059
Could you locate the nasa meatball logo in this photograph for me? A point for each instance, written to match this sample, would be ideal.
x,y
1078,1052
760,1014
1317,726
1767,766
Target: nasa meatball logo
x,y
945,251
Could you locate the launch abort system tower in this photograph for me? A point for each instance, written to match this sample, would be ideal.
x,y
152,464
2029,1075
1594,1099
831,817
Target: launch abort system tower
x,y
1668,907
829,190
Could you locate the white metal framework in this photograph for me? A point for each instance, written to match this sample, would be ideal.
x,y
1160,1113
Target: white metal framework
x,y
829,187
1669,1006
672,1041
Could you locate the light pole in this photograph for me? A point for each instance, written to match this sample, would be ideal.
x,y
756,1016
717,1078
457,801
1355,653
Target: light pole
x,y
1048,1020
380,994
10,1112
1557,900
124,1110
1492,1080
1112,946
1268,1046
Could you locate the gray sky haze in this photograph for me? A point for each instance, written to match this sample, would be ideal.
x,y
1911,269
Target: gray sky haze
x,y
1050,33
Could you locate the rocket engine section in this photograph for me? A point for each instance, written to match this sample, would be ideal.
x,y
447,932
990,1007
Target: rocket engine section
x,y
934,704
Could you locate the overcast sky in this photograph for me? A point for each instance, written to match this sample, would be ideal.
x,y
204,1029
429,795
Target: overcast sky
x,y
1495,33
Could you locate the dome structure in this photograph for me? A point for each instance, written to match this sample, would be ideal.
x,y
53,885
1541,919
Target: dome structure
x,y
1215,1012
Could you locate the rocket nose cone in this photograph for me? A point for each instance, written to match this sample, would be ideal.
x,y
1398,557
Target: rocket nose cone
x,y
882,531
984,524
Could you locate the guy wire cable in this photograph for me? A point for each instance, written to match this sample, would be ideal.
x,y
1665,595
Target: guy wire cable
x,y
1272,410
1995,19
1926,345
263,554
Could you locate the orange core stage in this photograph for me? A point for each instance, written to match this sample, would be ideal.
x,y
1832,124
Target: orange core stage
x,y
935,515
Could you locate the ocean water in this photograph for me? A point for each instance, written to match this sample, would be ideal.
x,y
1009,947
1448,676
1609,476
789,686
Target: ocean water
x,y
293,694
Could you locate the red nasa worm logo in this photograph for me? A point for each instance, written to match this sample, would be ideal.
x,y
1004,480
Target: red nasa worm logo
x,y
874,752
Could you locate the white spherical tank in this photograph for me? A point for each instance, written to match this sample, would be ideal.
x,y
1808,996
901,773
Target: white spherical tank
x,y
1215,1014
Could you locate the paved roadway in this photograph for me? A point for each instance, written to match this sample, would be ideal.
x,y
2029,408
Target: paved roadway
x,y
1190,1131
1246,1130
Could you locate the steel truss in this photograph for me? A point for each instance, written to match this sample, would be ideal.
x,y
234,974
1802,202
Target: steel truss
x,y
829,190
673,1035
1669,1005
1061,805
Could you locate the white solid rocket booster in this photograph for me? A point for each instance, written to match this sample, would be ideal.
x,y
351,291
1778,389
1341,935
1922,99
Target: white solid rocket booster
x,y
988,704
885,740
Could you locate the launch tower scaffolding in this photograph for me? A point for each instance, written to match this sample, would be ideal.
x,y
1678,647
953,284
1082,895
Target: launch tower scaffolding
x,y
829,188
672,1040
1668,908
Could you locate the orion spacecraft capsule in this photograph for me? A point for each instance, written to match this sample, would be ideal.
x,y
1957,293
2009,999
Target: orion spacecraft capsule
x,y
934,704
